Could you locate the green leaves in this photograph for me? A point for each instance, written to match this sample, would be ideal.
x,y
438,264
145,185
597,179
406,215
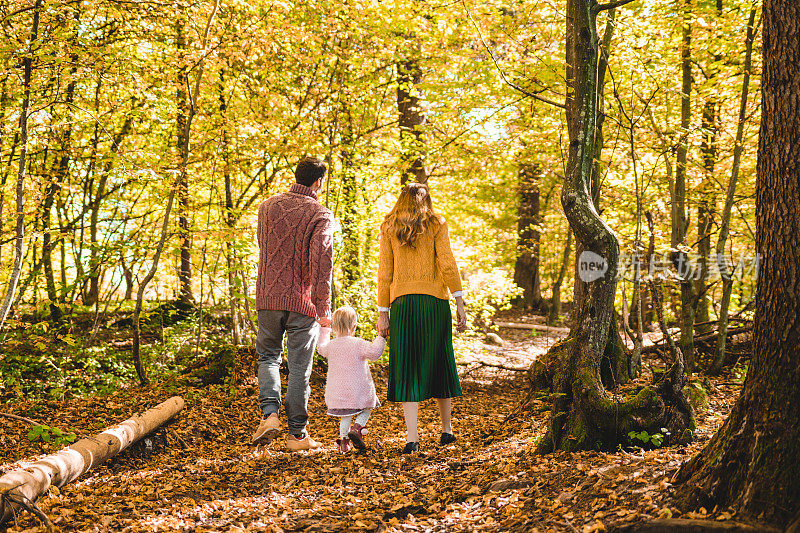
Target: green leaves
x,y
52,435
655,440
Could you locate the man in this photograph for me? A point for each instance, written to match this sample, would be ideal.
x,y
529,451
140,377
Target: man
x,y
295,239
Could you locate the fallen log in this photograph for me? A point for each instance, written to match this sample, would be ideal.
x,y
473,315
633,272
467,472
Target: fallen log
x,y
537,327
678,525
492,365
703,338
21,489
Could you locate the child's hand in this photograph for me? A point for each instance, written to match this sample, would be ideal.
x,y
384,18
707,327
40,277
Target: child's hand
x,y
383,324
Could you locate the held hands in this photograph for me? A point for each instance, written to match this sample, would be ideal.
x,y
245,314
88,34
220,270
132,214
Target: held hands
x,y
324,321
383,324
461,315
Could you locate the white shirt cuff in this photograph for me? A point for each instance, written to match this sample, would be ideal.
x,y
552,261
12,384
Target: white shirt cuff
x,y
458,293
383,309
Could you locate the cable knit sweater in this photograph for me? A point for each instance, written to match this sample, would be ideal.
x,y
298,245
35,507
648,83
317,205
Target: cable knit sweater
x,y
426,268
349,384
295,240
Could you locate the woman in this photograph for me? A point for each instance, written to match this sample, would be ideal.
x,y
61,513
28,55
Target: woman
x,y
415,271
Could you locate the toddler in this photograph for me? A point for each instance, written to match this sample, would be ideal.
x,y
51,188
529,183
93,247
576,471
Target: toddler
x,y
349,389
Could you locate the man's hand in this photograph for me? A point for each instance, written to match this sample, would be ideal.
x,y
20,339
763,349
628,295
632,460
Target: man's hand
x,y
324,321
383,324
461,315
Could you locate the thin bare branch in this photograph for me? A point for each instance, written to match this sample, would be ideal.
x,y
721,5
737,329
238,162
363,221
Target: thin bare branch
x,y
500,70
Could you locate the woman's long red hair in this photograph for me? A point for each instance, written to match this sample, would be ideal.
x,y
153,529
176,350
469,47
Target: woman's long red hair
x,y
412,214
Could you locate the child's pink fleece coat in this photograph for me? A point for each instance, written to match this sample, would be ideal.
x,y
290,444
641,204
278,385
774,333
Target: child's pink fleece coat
x,y
349,384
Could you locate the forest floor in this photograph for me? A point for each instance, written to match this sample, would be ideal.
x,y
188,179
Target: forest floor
x,y
201,473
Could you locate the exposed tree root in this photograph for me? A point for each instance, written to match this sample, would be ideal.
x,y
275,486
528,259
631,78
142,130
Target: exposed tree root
x,y
585,417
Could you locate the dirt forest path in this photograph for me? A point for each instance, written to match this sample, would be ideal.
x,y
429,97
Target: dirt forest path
x,y
200,474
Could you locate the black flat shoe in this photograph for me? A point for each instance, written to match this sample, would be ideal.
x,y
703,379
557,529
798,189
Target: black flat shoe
x,y
447,438
410,447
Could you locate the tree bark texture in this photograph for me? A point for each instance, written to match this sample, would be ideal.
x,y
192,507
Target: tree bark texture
x,y
753,462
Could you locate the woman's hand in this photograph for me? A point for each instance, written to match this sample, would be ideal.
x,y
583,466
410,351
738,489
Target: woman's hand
x,y
383,324
461,315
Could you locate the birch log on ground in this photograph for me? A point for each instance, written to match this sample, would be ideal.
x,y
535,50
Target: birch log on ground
x,y
21,489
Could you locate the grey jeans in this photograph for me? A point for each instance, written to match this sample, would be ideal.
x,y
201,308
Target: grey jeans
x,y
302,333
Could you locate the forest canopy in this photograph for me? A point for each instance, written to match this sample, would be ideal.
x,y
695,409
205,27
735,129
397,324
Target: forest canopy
x,y
113,84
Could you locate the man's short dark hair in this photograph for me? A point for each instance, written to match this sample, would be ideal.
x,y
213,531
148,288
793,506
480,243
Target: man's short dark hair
x,y
309,170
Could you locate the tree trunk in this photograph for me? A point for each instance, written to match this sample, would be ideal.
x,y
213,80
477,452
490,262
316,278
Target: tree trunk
x,y
646,312
707,195
229,217
127,273
22,488
137,312
95,259
583,416
597,165
179,178
680,224
526,268
412,121
182,133
53,189
88,294
752,464
5,100
349,207
724,229
27,65
555,301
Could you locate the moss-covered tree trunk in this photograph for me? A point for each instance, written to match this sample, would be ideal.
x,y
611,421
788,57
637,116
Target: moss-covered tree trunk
x,y
583,415
753,462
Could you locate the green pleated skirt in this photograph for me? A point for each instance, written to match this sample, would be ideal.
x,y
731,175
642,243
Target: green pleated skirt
x,y
421,360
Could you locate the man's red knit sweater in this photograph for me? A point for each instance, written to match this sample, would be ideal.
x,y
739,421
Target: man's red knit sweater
x,y
295,239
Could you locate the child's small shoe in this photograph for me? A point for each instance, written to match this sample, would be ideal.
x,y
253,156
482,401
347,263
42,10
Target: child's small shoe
x,y
343,444
447,438
356,435
410,447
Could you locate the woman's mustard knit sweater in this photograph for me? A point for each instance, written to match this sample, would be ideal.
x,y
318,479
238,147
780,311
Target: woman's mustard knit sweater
x,y
426,268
